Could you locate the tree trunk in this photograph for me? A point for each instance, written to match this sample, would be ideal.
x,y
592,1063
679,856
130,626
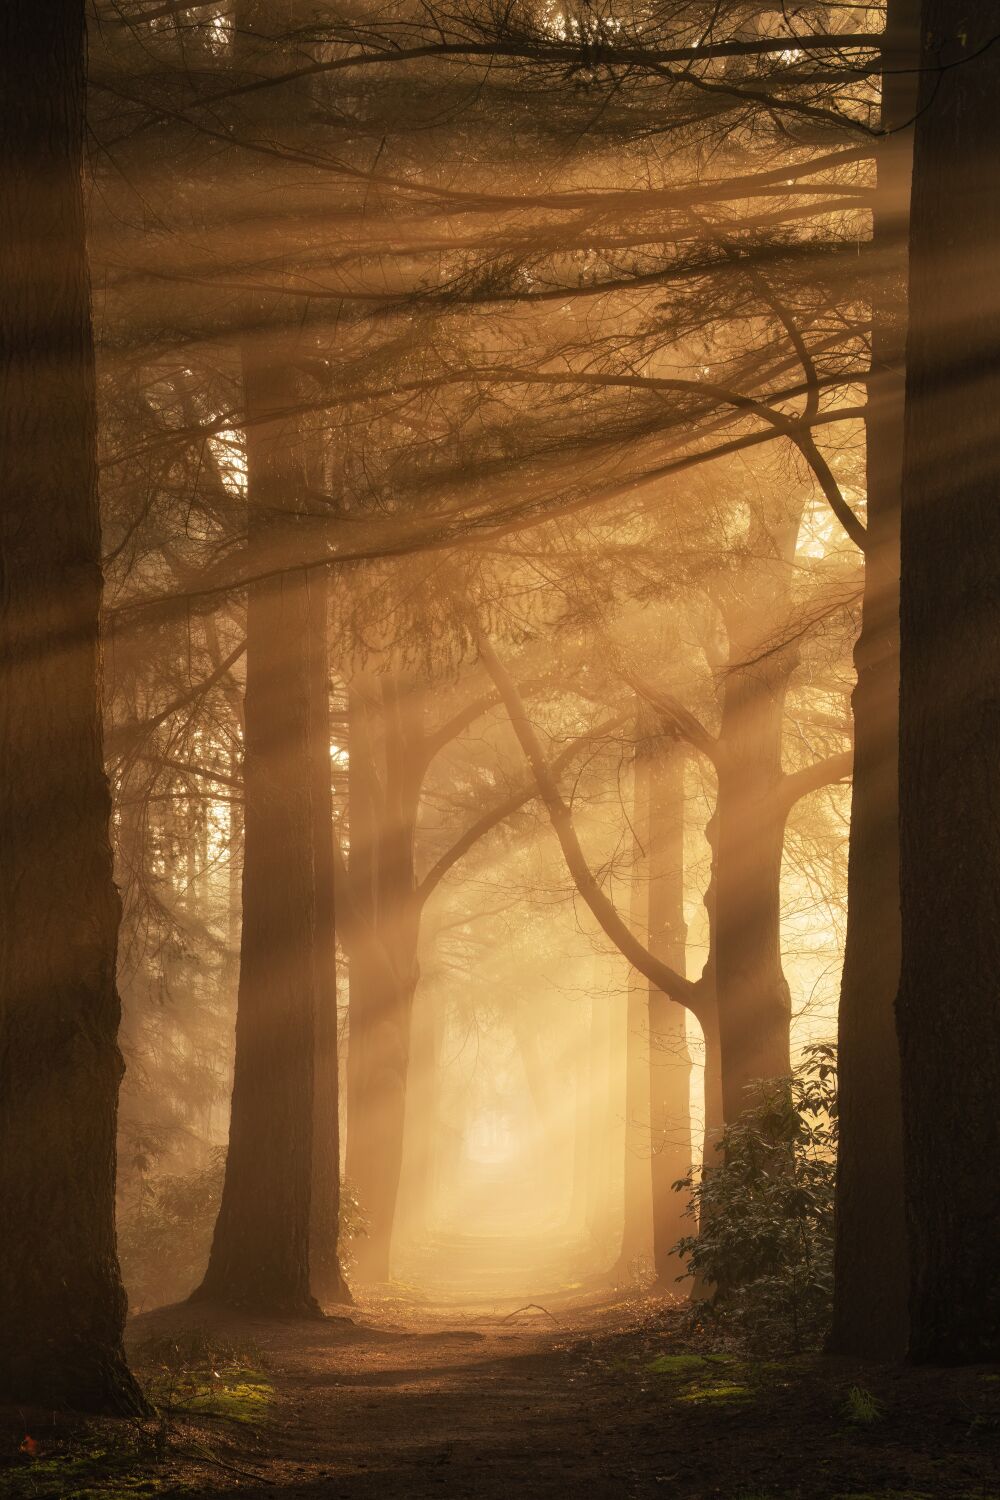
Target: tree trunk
x,y
599,1216
949,796
669,1077
748,832
327,1281
420,1128
384,966
62,1306
260,1252
869,1313
754,1005
637,1223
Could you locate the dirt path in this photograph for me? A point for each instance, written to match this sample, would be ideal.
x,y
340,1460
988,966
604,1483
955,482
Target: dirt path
x,y
603,1398
591,1398
412,1402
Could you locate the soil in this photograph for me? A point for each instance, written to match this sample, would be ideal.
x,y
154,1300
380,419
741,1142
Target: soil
x,y
407,1399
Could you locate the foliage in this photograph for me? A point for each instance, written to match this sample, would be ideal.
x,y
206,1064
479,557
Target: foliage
x,y
165,1234
201,1374
765,1213
96,1468
353,1225
861,1408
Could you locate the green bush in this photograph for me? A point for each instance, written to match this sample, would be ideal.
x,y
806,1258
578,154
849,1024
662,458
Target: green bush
x,y
765,1213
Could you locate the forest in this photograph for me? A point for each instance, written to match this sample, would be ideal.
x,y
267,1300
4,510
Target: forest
x,y
500,749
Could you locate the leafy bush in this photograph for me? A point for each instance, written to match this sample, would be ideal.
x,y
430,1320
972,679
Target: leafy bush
x,y
765,1213
165,1233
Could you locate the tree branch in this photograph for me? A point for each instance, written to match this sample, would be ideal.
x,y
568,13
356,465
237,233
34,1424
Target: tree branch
x,y
826,772
658,973
503,810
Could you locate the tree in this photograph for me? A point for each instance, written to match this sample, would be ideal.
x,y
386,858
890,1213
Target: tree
x,y
869,1307
949,815
260,1252
62,1306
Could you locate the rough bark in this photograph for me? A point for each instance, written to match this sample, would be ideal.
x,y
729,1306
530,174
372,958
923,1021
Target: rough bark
x,y
62,1306
327,1280
949,792
869,1315
260,1252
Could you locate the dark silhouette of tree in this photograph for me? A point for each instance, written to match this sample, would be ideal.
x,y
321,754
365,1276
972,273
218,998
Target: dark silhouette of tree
x,y
949,815
869,1315
62,1306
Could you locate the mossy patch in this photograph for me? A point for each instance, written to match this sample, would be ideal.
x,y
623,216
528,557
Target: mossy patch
x,y
724,1392
97,1474
705,1378
235,1395
204,1376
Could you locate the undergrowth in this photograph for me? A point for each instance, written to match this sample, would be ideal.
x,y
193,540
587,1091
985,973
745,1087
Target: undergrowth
x,y
197,1384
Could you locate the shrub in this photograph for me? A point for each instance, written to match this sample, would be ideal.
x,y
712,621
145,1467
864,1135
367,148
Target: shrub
x,y
765,1213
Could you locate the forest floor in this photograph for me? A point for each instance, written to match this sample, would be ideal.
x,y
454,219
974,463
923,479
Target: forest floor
x,y
607,1395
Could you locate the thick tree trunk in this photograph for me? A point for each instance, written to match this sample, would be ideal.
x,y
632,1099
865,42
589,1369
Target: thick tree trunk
x,y
384,968
748,832
62,1306
669,1077
260,1252
949,793
869,1315
327,1281
754,1005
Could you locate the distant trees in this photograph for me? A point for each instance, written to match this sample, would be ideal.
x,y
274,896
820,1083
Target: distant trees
x,y
260,1252
62,1307
950,696
556,345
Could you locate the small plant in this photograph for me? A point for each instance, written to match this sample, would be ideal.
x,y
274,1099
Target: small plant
x,y
765,1214
202,1375
861,1408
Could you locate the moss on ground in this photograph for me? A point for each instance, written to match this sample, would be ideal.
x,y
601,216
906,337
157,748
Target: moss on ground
x,y
235,1395
92,1474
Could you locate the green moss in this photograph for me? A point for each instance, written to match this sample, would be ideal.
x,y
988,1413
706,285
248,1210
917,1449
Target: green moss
x,y
98,1474
726,1393
235,1395
705,1377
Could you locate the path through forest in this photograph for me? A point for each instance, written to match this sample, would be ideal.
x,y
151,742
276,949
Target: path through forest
x,y
610,1395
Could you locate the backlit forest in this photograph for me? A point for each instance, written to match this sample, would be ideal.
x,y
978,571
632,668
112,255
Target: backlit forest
x,y
500,748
